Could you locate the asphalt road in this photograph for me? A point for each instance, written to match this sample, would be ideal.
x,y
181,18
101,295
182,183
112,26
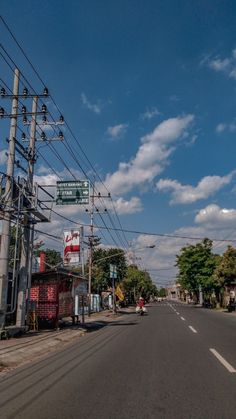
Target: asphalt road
x,y
177,362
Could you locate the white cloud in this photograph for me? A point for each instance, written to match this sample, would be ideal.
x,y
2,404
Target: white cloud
x,y
174,98
187,194
223,65
151,157
96,108
232,73
117,130
150,113
219,65
212,222
213,216
221,128
47,179
226,127
121,205
3,157
132,206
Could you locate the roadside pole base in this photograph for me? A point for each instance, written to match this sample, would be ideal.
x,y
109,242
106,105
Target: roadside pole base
x,y
14,331
4,335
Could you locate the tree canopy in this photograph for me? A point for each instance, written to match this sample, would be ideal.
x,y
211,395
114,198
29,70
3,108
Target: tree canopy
x,y
196,265
53,257
137,283
133,281
102,259
225,272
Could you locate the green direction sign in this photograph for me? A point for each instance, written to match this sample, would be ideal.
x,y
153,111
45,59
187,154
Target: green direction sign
x,y
73,192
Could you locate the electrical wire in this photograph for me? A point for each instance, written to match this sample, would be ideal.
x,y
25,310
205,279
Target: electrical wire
x,y
121,229
55,152
30,63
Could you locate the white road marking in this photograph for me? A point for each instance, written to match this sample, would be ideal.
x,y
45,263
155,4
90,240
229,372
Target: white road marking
x,y
192,328
177,313
222,360
182,318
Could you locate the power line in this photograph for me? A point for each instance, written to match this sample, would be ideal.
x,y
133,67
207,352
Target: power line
x,y
60,158
121,229
71,132
171,236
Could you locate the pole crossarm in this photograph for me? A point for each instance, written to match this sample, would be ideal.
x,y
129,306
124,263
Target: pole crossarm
x,y
19,197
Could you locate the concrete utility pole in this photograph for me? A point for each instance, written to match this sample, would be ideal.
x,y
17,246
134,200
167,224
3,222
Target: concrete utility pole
x,y
91,242
6,223
27,235
90,253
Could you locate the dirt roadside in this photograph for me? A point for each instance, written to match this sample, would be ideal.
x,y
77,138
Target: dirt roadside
x,y
33,346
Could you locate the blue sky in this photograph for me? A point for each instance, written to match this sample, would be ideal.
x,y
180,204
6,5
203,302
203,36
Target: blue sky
x,y
148,89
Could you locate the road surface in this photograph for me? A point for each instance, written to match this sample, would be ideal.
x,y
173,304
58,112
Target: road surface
x,y
177,362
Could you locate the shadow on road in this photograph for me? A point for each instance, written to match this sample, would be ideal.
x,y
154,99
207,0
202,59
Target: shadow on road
x,y
123,324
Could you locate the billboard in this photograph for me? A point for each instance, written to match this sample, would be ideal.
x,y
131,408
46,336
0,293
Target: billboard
x,y
71,247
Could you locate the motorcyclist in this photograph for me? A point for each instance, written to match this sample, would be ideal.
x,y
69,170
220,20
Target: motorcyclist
x,y
141,302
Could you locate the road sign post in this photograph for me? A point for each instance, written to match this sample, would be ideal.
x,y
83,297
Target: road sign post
x,y
73,192
113,275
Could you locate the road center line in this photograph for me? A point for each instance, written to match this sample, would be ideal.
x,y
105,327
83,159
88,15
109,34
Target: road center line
x,y
182,318
177,313
192,328
222,360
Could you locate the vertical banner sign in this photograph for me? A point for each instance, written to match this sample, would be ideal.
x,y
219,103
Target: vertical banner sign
x,y
119,293
71,247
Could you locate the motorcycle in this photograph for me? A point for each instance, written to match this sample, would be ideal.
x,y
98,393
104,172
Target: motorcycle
x,y
141,310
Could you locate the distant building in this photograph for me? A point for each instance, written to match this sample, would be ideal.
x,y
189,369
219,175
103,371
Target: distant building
x,y
173,292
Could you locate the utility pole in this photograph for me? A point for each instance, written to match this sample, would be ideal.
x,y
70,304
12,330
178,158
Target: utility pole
x,y
90,253
29,207
27,234
32,213
91,242
6,223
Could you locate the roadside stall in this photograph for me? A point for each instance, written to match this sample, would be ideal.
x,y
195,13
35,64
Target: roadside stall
x,y
57,294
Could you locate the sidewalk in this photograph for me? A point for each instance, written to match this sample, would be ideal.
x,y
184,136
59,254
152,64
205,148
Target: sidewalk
x,y
32,346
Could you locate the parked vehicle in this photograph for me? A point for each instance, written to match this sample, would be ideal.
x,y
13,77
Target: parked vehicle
x,y
231,305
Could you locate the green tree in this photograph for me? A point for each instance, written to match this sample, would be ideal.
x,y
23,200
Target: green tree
x,y
138,283
53,257
162,293
102,258
225,272
196,264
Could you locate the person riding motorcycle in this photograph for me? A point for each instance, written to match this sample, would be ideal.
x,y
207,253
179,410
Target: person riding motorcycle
x,y
141,309
141,302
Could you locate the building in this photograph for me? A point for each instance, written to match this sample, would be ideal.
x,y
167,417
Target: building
x,y
56,294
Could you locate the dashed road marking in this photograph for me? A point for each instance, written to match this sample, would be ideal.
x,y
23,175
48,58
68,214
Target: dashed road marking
x,y
177,313
222,360
192,328
182,318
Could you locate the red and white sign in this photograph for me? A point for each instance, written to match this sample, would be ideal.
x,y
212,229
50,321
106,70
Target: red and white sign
x,y
71,242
